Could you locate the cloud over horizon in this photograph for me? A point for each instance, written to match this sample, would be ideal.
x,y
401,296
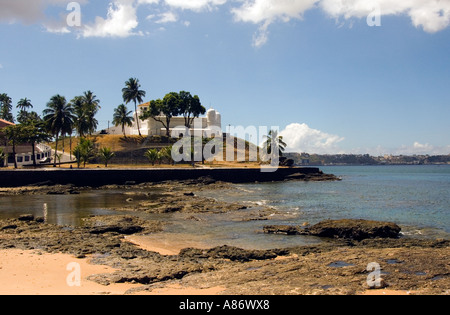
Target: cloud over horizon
x,y
122,21
302,138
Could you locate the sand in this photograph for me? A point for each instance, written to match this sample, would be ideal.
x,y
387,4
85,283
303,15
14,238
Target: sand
x,y
164,244
36,273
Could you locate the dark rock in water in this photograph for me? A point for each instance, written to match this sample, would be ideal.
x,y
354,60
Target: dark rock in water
x,y
56,192
347,229
354,229
26,217
283,229
126,230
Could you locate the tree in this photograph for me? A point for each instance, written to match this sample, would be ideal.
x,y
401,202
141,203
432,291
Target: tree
x,y
24,104
6,108
2,157
190,107
167,107
80,121
25,117
106,154
274,139
132,92
57,116
14,135
91,107
152,155
122,118
33,133
84,151
166,153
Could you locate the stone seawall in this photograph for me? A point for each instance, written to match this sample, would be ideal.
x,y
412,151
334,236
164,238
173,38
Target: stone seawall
x,y
101,177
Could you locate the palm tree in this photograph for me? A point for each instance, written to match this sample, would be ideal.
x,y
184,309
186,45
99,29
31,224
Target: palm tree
x,y
91,107
152,155
132,92
80,122
84,151
106,154
57,116
277,141
122,118
6,108
166,153
24,104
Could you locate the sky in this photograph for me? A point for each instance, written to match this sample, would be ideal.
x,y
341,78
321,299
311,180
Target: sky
x,y
335,76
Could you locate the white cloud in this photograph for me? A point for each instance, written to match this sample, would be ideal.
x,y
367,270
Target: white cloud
x,y
431,15
422,149
266,12
195,5
302,138
167,17
121,21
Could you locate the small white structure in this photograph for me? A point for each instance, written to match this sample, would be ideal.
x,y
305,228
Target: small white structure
x,y
24,155
211,124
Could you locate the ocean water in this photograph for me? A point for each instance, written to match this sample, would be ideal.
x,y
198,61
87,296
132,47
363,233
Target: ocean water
x,y
415,197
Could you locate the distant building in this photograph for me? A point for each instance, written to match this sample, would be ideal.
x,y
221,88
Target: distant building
x,y
150,127
24,155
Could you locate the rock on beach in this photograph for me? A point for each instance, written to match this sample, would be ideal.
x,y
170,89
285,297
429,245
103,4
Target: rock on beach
x,y
346,229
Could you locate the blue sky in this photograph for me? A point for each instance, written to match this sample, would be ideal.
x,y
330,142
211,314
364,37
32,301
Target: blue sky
x,y
315,68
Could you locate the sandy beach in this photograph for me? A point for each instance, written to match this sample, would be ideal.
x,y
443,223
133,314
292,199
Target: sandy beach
x,y
36,273
30,272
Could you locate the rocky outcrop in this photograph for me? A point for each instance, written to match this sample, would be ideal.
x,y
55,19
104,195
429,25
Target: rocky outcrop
x,y
232,253
355,229
346,229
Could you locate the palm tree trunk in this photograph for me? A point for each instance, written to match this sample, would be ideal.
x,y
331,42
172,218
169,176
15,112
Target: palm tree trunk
x,y
70,145
137,118
56,149
14,153
33,154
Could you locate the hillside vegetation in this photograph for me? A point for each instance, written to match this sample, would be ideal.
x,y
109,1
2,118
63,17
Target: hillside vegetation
x,y
130,150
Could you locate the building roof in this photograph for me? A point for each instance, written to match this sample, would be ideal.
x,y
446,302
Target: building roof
x,y
4,123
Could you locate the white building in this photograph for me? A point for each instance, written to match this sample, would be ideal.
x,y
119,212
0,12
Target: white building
x,y
211,124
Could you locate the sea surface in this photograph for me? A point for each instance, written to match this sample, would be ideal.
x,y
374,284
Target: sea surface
x,y
415,197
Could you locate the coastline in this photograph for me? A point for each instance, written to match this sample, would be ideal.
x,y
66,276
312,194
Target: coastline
x,y
122,176
162,266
